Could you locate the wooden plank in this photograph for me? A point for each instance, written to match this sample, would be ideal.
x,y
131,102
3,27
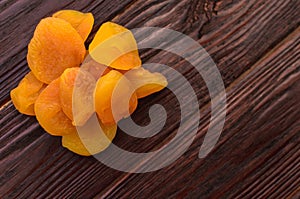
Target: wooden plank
x,y
256,157
228,37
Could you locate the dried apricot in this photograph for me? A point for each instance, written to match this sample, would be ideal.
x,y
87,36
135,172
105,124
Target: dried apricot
x,y
49,112
82,22
54,47
93,138
76,95
114,98
94,68
146,82
83,101
115,46
25,95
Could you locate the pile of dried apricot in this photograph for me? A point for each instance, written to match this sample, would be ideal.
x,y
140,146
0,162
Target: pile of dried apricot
x,y
69,86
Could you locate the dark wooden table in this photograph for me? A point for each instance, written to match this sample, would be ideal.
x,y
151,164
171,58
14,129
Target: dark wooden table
x,y
256,46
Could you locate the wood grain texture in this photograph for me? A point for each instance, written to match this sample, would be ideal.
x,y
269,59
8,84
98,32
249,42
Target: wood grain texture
x,y
258,153
265,160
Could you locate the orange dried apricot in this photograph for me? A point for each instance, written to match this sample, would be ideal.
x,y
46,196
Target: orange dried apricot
x,y
76,95
49,112
145,82
115,46
113,90
26,93
83,101
82,22
94,68
92,138
54,47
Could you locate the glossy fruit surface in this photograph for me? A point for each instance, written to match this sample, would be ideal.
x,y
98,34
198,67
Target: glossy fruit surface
x,y
49,112
114,98
82,22
76,95
54,47
115,46
26,93
91,138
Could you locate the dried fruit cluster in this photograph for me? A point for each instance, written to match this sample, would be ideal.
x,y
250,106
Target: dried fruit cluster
x,y
67,84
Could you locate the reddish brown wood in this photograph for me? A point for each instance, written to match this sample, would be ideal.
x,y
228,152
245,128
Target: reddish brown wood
x,y
265,160
257,155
